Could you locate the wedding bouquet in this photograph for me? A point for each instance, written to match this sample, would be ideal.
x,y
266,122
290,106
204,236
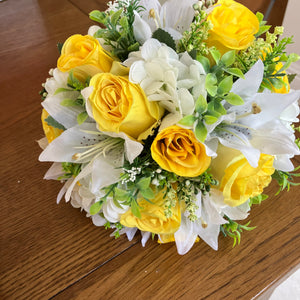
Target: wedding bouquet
x,y
171,119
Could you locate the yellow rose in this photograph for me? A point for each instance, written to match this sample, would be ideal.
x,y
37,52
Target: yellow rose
x,y
85,53
238,179
51,133
121,106
177,150
234,26
153,218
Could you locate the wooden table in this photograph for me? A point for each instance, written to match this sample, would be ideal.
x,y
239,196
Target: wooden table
x,y
54,251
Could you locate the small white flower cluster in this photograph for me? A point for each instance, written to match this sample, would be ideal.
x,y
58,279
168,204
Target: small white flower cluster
x,y
132,175
175,81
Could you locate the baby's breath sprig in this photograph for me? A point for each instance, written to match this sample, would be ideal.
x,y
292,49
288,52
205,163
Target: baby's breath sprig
x,y
188,188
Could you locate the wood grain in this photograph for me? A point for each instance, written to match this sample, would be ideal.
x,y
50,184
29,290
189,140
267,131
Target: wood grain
x,y
44,247
158,272
50,250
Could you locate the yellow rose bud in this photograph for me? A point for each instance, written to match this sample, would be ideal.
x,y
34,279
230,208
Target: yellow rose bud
x,y
234,26
239,181
153,218
51,133
85,53
177,150
121,106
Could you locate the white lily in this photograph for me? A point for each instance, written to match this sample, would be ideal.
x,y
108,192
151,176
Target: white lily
x,y
255,127
101,154
211,210
174,16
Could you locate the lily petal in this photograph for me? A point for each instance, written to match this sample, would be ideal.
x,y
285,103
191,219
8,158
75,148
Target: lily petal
x,y
185,236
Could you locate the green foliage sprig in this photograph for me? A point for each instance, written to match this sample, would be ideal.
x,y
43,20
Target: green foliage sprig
x,y
258,199
286,179
118,31
218,83
118,226
75,85
70,169
234,230
272,52
193,40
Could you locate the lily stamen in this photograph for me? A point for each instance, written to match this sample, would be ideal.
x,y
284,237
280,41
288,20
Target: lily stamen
x,y
152,15
101,148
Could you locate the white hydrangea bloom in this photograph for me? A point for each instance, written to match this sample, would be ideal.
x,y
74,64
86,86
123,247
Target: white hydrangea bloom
x,y
175,81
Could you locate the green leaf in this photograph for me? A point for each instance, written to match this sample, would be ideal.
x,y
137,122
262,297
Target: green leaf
x,y
100,33
201,105
147,193
61,90
209,120
143,183
215,54
51,122
134,47
96,207
271,68
135,209
200,132
188,121
216,109
115,17
59,47
211,79
121,195
234,99
164,37
74,82
124,23
225,85
193,54
212,112
258,199
277,82
82,117
291,77
228,58
204,62
98,16
68,102
235,72
219,108
117,204
259,16
210,84
262,30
